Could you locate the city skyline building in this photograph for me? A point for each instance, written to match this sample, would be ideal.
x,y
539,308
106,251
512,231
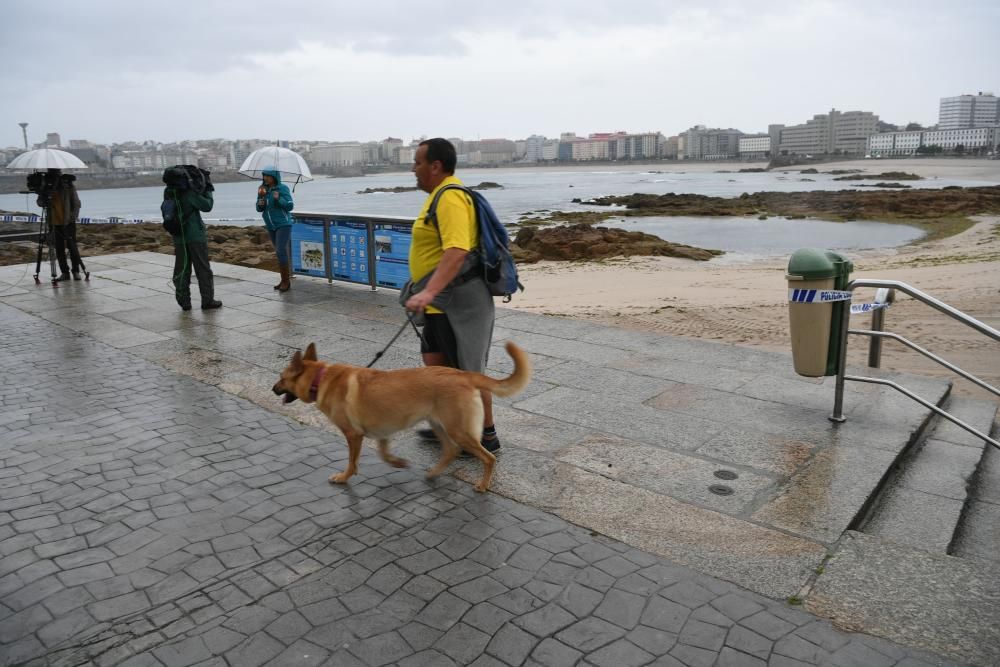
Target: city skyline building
x,y
967,111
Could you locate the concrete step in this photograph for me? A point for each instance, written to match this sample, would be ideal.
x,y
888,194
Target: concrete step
x,y
978,533
922,502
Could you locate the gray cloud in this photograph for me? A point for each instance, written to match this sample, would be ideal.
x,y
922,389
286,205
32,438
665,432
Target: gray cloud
x,y
112,70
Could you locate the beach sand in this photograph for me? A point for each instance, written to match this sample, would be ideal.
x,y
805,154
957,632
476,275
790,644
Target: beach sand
x,y
745,302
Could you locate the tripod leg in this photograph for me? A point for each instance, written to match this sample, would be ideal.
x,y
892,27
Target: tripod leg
x,y
52,257
41,242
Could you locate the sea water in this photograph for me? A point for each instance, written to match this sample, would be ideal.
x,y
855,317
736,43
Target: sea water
x,y
531,190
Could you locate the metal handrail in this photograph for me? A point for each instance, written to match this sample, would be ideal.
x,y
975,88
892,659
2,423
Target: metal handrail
x,y
874,352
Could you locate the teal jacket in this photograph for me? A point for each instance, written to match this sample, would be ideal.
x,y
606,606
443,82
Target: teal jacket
x,y
192,205
277,212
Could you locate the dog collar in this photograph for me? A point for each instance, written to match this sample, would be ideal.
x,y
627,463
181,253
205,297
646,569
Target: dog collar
x,y
314,387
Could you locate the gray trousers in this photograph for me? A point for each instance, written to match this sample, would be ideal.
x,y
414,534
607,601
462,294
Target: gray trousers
x,y
196,256
63,238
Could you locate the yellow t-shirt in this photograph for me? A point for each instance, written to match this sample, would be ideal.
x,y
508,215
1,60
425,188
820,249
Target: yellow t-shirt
x,y
456,219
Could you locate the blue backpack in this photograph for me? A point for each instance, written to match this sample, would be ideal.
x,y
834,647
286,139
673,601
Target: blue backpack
x,y
495,260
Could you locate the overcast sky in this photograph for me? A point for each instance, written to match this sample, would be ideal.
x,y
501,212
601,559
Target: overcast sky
x,y
112,71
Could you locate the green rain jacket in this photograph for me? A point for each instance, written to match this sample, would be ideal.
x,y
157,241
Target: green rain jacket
x,y
192,205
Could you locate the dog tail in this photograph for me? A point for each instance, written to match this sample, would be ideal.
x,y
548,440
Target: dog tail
x,y
516,381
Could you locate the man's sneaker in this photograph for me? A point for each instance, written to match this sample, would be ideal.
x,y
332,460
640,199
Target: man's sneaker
x,y
492,445
63,277
211,305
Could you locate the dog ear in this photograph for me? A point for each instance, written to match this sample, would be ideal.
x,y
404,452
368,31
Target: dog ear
x,y
310,352
297,361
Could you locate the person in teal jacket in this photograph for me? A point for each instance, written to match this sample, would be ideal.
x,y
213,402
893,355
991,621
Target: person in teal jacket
x,y
274,202
191,248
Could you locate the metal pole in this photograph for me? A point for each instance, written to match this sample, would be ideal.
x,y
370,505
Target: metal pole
x,y
838,394
883,295
24,131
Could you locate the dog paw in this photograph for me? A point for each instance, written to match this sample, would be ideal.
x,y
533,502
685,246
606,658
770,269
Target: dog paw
x,y
480,488
399,463
340,478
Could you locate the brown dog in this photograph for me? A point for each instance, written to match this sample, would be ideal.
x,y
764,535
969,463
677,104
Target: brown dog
x,y
368,402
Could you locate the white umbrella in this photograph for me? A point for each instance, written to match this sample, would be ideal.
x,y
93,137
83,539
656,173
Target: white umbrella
x,y
46,158
287,162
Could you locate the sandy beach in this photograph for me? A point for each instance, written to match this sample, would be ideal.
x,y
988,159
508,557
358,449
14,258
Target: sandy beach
x,y
744,302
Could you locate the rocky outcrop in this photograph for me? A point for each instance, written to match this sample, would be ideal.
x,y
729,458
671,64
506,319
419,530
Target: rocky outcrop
x,y
894,175
576,242
485,185
914,205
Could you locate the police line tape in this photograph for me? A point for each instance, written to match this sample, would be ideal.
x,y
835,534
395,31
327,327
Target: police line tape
x,y
831,296
112,220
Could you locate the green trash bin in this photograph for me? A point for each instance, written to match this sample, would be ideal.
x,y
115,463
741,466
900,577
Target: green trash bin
x,y
814,315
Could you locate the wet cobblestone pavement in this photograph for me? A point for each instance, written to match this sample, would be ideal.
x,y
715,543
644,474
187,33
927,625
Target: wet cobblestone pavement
x,y
147,518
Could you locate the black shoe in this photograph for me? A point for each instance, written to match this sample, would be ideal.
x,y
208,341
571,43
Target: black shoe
x,y
185,306
492,445
211,305
62,278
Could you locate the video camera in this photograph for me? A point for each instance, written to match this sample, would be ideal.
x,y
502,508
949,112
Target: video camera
x,y
44,183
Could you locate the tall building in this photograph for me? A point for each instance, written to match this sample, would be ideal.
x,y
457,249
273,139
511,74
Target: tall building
x,y
966,111
52,140
701,143
834,132
534,148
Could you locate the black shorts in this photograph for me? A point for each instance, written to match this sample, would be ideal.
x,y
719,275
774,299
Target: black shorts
x,y
440,338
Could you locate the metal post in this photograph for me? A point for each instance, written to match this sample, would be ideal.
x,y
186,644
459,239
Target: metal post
x,y
838,394
887,296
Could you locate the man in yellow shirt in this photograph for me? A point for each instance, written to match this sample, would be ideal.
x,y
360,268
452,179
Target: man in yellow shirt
x,y
448,285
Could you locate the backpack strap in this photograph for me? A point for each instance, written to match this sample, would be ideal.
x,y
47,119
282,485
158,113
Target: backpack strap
x,y
431,216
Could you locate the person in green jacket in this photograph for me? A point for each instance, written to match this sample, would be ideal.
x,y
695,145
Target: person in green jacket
x,y
191,249
274,201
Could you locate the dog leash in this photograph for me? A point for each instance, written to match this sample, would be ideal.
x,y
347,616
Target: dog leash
x,y
409,320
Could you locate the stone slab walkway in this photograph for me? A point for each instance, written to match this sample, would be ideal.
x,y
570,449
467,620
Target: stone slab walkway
x,y
147,518
614,445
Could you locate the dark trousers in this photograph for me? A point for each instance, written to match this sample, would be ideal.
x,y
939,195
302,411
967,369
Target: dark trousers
x,y
190,255
63,237
281,238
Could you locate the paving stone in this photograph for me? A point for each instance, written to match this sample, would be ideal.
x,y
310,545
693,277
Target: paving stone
x,y
621,653
511,645
552,653
444,611
621,608
590,634
767,624
462,643
381,649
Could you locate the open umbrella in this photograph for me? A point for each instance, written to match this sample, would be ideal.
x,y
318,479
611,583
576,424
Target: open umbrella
x,y
287,162
46,158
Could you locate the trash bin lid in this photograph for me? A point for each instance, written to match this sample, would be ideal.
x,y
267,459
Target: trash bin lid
x,y
817,264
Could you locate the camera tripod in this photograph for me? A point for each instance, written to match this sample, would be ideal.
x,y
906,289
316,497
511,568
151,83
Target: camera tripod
x,y
45,240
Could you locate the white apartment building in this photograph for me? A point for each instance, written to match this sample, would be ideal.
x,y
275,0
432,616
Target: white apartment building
x,y
755,145
970,139
533,148
590,149
337,155
835,132
550,150
894,143
151,160
968,111
638,146
406,154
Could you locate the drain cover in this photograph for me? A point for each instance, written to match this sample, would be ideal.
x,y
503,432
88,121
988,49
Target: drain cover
x,y
725,474
720,490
